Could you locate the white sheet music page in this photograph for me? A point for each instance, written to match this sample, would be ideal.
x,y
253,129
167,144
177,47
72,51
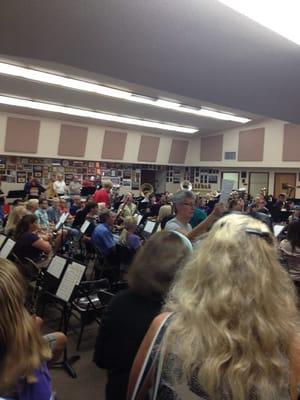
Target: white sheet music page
x,y
149,226
2,239
278,229
84,226
56,266
227,186
62,220
71,278
7,248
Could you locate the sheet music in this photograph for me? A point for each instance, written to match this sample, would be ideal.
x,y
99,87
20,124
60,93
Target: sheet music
x,y
62,220
139,218
278,229
2,239
149,226
71,278
227,186
84,226
7,248
56,266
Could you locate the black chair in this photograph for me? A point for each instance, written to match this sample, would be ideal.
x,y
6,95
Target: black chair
x,y
33,275
107,266
89,302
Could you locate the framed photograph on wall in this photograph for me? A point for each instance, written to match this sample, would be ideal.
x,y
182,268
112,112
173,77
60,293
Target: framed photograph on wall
x,y
115,181
27,167
21,177
213,179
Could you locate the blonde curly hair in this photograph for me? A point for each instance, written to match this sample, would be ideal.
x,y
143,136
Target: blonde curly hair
x,y
235,313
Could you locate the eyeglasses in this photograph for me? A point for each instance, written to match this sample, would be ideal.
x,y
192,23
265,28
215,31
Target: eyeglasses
x,y
189,204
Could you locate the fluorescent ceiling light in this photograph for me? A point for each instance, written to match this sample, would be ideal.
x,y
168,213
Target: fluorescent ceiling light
x,y
54,79
78,112
281,17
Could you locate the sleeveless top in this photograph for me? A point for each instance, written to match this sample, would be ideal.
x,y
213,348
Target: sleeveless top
x,y
173,386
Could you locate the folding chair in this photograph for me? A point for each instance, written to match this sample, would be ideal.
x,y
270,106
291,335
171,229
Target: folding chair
x,y
89,302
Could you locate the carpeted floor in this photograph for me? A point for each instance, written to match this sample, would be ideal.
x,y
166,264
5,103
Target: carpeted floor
x,y
90,381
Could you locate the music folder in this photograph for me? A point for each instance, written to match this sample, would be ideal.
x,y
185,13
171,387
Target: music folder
x,y
7,248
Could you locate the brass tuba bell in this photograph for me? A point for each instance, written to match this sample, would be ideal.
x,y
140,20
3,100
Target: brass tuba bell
x,y
146,189
186,185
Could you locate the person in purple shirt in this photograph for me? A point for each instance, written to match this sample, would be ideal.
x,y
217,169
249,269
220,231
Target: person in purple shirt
x,y
24,352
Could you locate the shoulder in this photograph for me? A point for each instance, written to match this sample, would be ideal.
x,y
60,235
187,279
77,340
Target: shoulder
x,y
172,224
29,236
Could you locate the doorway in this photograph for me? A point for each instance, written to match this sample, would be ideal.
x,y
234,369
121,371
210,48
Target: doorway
x,y
160,180
148,176
284,183
232,176
258,181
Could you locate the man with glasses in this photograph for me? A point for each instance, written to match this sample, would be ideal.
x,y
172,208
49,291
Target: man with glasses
x,y
184,204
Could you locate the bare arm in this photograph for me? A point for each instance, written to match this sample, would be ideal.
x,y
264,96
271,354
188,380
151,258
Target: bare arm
x,y
204,225
141,355
42,245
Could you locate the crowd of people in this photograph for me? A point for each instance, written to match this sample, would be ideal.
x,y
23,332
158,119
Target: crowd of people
x,y
209,308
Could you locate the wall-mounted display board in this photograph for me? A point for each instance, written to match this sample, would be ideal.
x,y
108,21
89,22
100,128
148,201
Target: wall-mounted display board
x,y
19,169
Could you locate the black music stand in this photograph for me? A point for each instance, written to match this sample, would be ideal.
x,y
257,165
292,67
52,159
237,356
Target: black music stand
x,y
16,195
87,191
53,288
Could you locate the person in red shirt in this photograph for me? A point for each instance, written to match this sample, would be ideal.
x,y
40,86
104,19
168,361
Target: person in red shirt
x,y
102,195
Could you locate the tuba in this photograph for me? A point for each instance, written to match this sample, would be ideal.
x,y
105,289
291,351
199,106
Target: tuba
x,y
186,185
146,189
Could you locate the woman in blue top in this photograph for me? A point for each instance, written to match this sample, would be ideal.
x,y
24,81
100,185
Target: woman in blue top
x,y
23,352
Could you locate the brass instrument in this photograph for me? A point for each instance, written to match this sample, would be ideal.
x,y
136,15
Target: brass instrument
x,y
264,191
289,189
146,189
186,185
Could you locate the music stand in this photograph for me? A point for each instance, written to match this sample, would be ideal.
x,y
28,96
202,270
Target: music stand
x,y
87,191
62,278
149,228
7,248
16,194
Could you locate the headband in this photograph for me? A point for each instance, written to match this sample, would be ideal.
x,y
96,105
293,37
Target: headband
x,y
185,241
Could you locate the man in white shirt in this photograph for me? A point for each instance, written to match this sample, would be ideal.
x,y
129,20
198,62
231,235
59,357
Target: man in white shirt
x,y
59,186
184,204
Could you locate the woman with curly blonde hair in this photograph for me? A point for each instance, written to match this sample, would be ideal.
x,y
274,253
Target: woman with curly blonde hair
x,y
23,351
234,332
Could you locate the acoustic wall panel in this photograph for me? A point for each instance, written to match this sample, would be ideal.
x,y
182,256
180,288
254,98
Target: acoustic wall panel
x,y
291,140
178,151
148,148
22,135
211,148
251,145
114,145
72,141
